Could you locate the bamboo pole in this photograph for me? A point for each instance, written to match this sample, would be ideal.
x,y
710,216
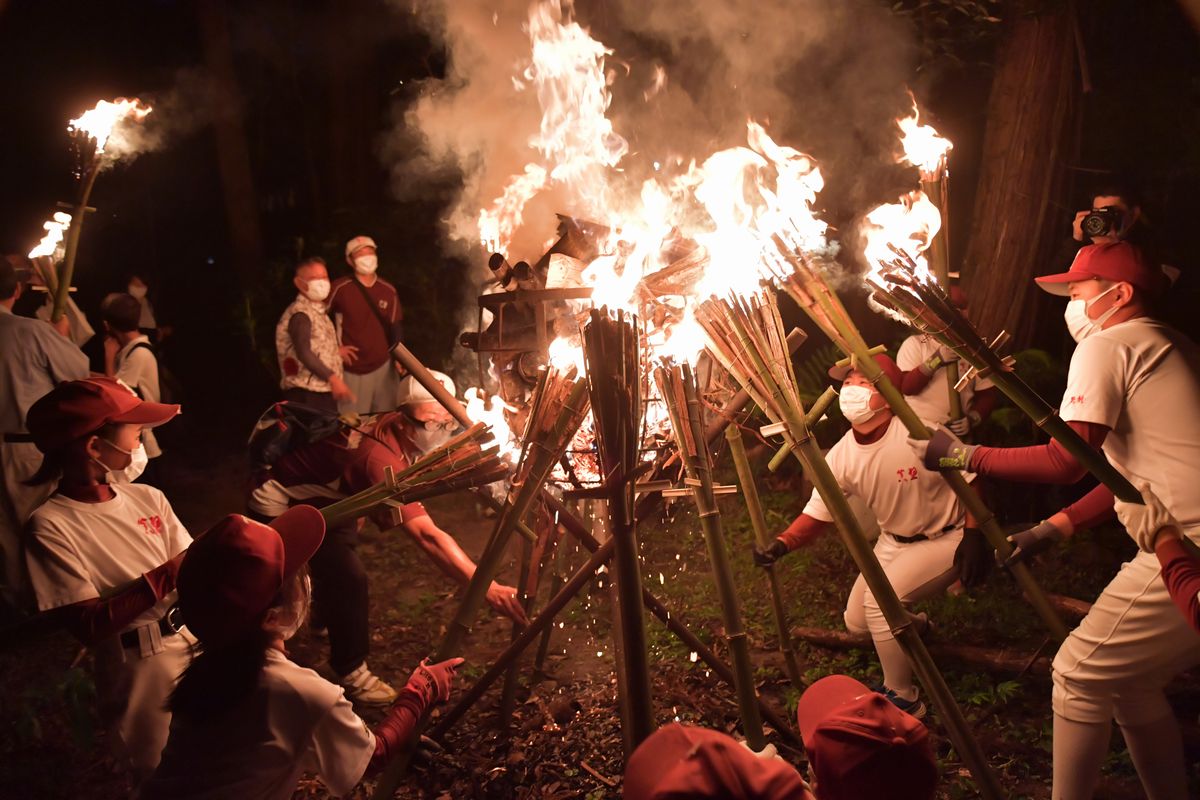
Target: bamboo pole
x,y
935,316
936,188
818,409
744,338
614,385
762,539
807,287
72,242
508,693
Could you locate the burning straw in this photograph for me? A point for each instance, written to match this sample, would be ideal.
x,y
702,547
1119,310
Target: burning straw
x,y
677,386
806,285
746,337
610,349
928,309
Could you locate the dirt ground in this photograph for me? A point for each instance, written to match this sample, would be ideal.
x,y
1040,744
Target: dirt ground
x,y
564,739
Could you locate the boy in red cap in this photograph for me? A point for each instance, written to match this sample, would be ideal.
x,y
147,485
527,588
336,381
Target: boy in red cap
x,y
927,541
247,722
1133,390
98,532
859,746
679,761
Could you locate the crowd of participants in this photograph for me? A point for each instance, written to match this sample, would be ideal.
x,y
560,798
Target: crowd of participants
x,y
199,697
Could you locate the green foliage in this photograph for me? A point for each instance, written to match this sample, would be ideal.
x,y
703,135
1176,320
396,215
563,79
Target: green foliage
x,y
74,693
954,32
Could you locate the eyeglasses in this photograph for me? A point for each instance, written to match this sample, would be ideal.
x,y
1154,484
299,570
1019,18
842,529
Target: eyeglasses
x,y
434,426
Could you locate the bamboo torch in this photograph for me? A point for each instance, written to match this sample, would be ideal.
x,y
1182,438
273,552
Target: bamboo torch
x,y
614,384
91,134
678,389
746,338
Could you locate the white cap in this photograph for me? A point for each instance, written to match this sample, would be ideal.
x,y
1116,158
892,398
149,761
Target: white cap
x,y
358,243
413,393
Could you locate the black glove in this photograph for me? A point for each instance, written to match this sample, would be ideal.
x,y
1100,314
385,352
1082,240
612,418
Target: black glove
x,y
974,558
765,558
1027,544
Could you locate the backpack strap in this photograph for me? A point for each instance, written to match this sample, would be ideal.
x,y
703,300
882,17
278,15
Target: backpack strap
x,y
387,328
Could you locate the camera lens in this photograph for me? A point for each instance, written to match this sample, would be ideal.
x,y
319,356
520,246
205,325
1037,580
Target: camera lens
x,y
1095,225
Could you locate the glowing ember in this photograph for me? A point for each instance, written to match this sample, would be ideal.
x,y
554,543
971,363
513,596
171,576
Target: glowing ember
x,y
481,408
923,147
107,119
51,244
565,355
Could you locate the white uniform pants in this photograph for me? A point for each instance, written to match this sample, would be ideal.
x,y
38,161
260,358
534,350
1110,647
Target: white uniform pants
x,y
19,461
374,392
133,693
917,571
1132,642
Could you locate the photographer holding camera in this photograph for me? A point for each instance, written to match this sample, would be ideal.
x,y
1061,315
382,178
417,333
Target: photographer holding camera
x,y
1115,216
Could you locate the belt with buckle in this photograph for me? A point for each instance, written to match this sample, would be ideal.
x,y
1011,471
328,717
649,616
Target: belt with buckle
x,y
168,625
920,537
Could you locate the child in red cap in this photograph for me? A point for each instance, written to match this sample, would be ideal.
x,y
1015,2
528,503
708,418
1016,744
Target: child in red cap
x,y
247,721
97,533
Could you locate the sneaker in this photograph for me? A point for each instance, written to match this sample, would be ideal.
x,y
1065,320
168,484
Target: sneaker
x,y
914,707
364,688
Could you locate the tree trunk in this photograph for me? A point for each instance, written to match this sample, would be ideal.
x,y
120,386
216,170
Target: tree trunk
x,y
1017,224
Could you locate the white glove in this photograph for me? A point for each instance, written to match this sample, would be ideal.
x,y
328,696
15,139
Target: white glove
x,y
947,355
767,753
960,426
1145,522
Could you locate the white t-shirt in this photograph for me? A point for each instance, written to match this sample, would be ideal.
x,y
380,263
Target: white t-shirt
x,y
80,550
1141,379
137,368
296,722
906,498
932,403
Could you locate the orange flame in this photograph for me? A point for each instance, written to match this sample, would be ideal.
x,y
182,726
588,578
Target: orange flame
x,y
51,244
909,225
106,118
922,146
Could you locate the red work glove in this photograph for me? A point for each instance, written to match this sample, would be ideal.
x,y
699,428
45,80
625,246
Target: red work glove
x,y
432,681
429,684
162,578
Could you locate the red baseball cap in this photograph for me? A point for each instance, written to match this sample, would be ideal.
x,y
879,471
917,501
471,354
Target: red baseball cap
x,y
679,761
860,745
74,409
839,372
1112,261
233,572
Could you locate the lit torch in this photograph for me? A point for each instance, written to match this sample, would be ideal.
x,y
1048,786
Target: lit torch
x,y
99,137
50,249
929,153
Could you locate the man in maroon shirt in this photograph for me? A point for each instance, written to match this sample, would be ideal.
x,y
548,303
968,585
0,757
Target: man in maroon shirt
x,y
369,319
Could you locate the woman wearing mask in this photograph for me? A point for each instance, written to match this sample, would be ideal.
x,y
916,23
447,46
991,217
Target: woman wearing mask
x,y
369,324
310,361
247,721
147,322
927,540
1133,390
97,533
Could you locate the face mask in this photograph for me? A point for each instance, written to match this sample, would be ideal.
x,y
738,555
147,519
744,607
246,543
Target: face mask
x,y
855,402
1079,324
131,472
366,265
138,291
318,290
286,619
423,440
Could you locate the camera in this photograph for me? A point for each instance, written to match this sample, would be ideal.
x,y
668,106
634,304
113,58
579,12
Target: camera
x,y
1106,221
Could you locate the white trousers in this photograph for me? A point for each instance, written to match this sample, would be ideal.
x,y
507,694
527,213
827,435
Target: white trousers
x,y
133,691
1133,641
917,571
374,392
19,461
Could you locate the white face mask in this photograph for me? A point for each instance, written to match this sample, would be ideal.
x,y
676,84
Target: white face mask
x,y
1079,324
286,619
855,402
137,290
318,290
366,265
137,464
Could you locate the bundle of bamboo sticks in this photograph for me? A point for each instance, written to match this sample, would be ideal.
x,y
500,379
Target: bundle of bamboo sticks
x,y
464,462
928,309
746,337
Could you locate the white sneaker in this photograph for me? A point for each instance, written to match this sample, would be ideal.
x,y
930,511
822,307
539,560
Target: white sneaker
x,y
364,688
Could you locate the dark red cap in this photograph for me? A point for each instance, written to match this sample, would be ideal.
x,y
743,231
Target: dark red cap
x,y
1112,261
75,409
233,572
860,745
680,761
839,373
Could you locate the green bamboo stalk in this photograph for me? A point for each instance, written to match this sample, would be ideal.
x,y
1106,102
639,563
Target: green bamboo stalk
x,y
847,337
72,243
763,539
688,429
815,412
508,693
